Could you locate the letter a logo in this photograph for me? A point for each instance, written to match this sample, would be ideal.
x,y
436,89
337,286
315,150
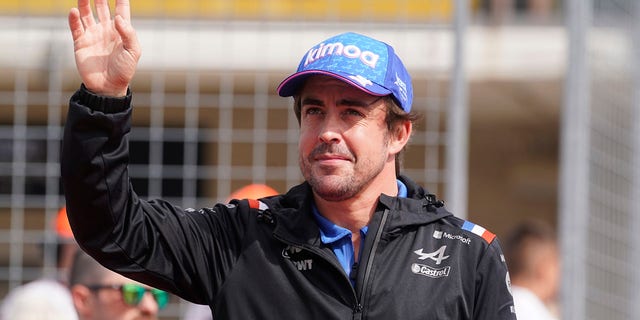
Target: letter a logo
x,y
437,256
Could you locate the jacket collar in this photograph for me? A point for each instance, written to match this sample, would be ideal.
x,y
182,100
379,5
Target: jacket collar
x,y
295,222
418,208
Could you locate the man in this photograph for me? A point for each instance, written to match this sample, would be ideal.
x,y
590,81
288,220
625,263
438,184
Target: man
x,y
356,240
99,293
531,250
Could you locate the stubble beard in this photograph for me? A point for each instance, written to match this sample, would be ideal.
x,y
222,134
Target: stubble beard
x,y
341,185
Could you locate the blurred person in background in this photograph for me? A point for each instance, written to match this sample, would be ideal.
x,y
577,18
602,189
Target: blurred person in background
x,y
356,240
532,255
46,298
101,294
251,191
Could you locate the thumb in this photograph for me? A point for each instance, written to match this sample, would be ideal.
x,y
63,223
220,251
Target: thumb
x,y
128,35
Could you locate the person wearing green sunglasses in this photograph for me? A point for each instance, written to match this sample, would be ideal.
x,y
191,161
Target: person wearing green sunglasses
x,y
99,293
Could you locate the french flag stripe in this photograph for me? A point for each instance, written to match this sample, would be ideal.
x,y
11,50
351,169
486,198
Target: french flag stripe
x,y
254,204
257,204
484,233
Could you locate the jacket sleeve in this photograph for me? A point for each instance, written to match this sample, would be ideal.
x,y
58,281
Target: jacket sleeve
x,y
186,252
493,293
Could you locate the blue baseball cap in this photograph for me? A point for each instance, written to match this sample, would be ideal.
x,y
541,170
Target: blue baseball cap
x,y
364,62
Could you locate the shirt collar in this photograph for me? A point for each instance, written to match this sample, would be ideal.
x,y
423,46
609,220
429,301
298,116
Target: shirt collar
x,y
402,189
331,232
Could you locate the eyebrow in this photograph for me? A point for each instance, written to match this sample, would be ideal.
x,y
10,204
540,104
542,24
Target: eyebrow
x,y
312,101
353,103
342,102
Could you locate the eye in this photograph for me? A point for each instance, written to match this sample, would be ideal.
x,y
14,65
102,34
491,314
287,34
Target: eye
x,y
311,110
353,112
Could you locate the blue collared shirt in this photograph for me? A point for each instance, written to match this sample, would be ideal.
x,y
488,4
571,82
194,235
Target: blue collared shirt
x,y
339,238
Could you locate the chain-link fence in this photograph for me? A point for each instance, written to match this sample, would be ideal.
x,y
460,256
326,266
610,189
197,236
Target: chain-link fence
x,y
600,180
207,119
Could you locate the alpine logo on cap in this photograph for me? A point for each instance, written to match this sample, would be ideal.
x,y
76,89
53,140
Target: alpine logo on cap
x,y
337,48
402,88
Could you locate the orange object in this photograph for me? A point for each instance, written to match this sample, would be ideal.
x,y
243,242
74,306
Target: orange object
x,y
252,191
63,229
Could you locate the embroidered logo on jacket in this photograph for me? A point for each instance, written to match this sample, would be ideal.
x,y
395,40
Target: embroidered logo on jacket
x,y
293,254
425,270
438,234
437,256
432,272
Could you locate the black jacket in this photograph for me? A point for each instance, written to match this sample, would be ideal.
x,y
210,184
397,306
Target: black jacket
x,y
265,260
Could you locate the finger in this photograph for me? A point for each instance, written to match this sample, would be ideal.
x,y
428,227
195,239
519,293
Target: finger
x,y
102,10
128,36
123,9
75,24
84,6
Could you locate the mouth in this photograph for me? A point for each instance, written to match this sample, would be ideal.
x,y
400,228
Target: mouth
x,y
331,158
331,155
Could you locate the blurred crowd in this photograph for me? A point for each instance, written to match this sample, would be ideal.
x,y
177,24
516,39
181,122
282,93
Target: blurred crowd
x,y
85,290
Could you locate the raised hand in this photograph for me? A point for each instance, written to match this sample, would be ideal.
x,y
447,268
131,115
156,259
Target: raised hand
x,y
106,51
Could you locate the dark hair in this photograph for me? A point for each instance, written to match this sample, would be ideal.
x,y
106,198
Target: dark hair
x,y
395,116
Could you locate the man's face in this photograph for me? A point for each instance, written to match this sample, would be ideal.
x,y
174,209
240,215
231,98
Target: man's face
x,y
344,140
109,303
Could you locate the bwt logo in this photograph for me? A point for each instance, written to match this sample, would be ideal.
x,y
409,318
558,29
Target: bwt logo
x,y
302,264
350,51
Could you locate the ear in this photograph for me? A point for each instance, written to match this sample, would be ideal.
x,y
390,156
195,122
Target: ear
x,y
399,137
82,300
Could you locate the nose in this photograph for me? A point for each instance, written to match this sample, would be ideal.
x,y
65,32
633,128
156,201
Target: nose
x,y
148,304
330,131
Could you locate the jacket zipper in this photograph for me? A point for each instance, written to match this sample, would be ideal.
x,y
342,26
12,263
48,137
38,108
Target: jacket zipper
x,y
359,307
357,311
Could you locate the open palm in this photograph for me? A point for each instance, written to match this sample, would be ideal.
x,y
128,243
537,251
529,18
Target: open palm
x,y
106,51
